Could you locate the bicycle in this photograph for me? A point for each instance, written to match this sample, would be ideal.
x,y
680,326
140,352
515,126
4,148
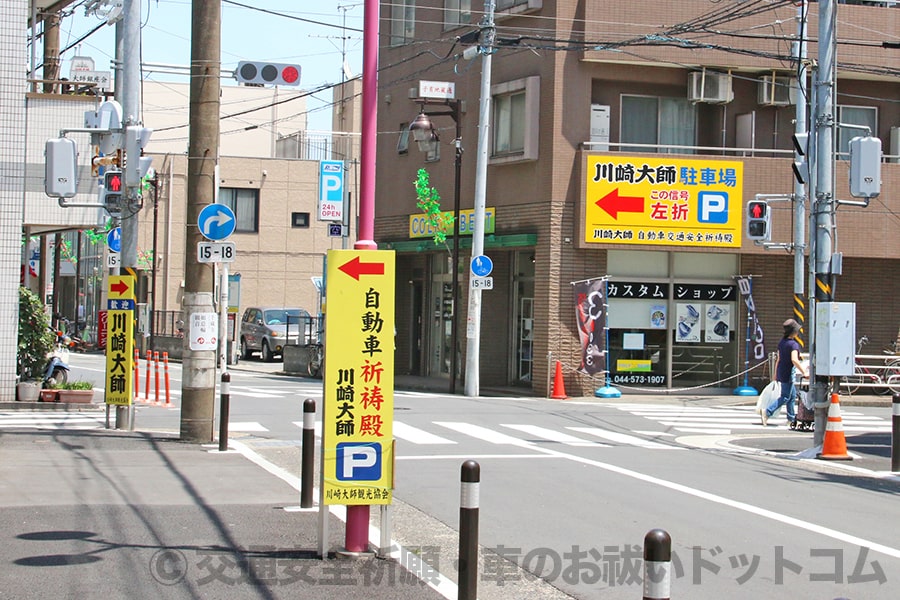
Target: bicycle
x,y
891,371
315,358
863,376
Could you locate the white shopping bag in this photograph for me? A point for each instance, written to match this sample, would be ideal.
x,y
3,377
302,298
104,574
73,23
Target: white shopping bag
x,y
769,394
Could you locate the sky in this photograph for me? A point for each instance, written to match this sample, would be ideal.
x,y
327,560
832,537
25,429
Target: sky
x,y
304,32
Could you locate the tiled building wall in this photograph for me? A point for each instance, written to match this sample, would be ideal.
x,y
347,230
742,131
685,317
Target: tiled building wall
x,y
12,142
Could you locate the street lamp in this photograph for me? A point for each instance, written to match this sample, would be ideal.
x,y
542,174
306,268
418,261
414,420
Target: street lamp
x,y
426,137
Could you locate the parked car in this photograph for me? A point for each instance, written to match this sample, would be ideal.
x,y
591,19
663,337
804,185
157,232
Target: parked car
x,y
268,329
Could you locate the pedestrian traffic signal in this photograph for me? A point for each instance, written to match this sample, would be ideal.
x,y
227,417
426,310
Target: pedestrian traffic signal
x,y
267,73
112,191
759,220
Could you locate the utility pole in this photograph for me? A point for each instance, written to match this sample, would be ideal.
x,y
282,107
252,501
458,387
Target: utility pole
x,y
199,366
800,127
473,319
825,257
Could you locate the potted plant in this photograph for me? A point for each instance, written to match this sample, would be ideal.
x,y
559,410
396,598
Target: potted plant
x,y
75,391
49,394
35,341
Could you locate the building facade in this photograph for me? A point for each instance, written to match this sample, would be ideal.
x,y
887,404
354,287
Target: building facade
x,y
626,154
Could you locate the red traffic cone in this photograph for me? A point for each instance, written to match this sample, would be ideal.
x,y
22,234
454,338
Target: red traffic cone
x,y
559,388
834,447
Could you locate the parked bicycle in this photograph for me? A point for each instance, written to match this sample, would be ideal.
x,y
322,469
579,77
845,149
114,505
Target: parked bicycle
x,y
315,358
880,381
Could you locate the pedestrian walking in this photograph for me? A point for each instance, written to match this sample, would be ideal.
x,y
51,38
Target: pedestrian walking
x,y
786,367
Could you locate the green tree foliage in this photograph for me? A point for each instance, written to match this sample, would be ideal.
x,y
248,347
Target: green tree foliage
x,y
429,201
35,337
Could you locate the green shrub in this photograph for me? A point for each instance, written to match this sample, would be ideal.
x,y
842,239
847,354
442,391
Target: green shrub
x,y
74,385
35,337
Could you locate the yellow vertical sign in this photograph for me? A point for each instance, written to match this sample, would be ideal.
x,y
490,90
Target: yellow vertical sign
x,y
120,341
358,408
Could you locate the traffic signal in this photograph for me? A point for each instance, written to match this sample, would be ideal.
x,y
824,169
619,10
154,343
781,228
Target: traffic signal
x,y
801,165
113,186
759,220
136,166
267,73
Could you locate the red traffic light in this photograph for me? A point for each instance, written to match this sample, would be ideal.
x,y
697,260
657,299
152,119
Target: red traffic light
x,y
267,73
757,210
112,181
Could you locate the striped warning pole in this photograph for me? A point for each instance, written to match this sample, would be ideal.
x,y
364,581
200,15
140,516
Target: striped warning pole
x,y
156,375
800,317
307,453
895,433
147,377
470,480
137,372
657,565
166,368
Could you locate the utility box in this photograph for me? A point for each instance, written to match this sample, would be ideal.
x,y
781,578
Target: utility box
x,y
865,167
835,338
60,168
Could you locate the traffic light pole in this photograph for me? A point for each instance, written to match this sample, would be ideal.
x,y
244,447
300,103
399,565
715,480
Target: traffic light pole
x,y
800,126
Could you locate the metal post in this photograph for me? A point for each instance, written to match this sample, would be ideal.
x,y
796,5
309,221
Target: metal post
x,y
166,373
800,126
473,319
657,565
307,453
895,433
454,333
470,479
224,408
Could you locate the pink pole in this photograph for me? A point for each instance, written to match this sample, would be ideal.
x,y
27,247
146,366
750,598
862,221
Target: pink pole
x,y
356,537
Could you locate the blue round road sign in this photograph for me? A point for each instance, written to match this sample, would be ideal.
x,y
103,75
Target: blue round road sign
x,y
114,239
216,222
482,266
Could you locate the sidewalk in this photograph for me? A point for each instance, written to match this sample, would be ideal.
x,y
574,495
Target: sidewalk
x,y
164,519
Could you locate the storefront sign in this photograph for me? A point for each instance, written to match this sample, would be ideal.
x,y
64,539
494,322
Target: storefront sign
x,y
663,201
680,291
358,410
420,227
120,342
590,311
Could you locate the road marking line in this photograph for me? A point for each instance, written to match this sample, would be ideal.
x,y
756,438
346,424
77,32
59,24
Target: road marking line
x,y
417,436
554,436
245,426
736,504
483,433
622,438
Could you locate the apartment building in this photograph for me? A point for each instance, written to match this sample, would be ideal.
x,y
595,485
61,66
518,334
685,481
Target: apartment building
x,y
626,140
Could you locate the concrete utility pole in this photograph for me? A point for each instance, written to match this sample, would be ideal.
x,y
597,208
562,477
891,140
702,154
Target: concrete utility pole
x,y
130,27
199,366
473,320
800,126
825,203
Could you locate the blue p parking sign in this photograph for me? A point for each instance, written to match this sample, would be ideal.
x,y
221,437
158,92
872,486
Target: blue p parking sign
x,y
358,461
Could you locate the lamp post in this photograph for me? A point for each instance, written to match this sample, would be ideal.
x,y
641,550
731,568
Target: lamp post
x,y
426,138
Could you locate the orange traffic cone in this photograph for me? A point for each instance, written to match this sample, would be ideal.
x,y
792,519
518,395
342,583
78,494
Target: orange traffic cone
x,y
559,388
834,446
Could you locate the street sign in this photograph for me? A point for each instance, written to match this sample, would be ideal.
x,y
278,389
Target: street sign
x,y
215,252
482,266
663,201
331,190
358,410
203,331
114,239
112,260
120,340
216,222
482,283
335,230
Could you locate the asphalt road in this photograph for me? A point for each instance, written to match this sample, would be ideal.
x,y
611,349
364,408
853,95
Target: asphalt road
x,y
570,489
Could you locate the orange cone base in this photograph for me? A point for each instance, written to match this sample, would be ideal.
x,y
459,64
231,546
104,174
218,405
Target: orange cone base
x,y
559,388
834,447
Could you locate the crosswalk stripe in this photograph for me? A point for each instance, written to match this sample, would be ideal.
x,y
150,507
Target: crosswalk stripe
x,y
482,433
554,436
245,426
417,436
622,438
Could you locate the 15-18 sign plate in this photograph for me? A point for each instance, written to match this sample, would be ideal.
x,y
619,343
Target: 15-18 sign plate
x,y
215,252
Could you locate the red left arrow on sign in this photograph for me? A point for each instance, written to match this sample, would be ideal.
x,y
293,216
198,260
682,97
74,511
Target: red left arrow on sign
x,y
612,204
355,267
119,287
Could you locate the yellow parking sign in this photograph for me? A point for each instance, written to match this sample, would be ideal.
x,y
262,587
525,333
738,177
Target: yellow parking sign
x,y
358,407
663,201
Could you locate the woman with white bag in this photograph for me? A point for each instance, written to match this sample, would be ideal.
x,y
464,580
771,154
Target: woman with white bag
x,y
788,360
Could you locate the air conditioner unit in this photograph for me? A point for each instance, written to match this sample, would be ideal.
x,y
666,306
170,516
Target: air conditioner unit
x,y
777,90
708,86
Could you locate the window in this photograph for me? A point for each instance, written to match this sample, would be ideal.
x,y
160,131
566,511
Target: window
x,y
403,22
854,115
653,120
457,12
515,117
403,142
245,204
300,219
